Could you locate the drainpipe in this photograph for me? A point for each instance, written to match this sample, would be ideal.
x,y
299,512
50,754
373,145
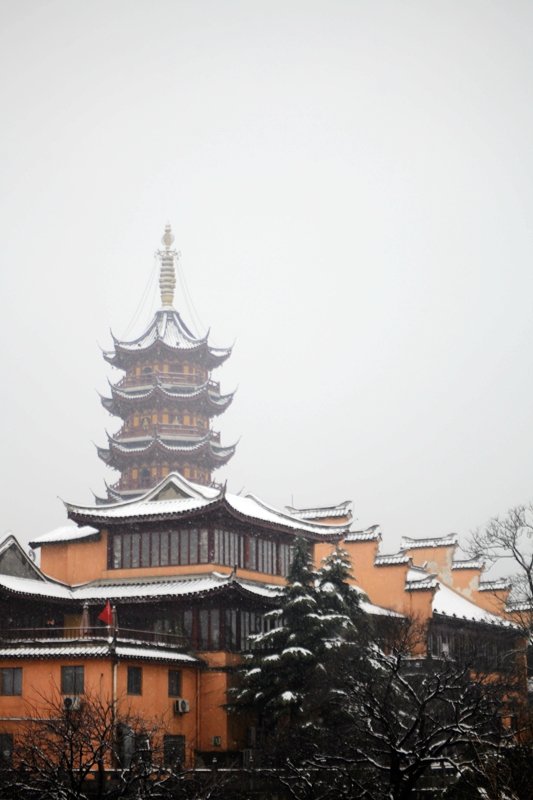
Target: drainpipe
x,y
114,680
198,715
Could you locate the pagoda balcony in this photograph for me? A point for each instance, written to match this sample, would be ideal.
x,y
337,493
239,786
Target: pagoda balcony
x,y
165,431
167,378
51,635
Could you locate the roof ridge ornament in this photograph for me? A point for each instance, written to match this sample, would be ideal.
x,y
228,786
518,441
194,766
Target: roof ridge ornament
x,y
167,274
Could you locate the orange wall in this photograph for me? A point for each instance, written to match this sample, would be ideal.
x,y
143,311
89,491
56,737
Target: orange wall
x,y
435,559
80,562
42,680
75,562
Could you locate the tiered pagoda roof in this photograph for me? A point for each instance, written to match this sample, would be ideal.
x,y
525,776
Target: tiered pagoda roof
x,y
166,399
166,332
119,450
206,396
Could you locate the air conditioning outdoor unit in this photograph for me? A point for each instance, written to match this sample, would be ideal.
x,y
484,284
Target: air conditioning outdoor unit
x,y
181,706
72,703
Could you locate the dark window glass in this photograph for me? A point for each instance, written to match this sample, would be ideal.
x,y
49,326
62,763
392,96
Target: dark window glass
x,y
155,549
184,547
174,750
204,546
126,550
11,680
164,549
203,619
193,546
174,683
117,552
145,550
252,553
214,637
6,747
135,675
187,623
174,547
135,551
72,679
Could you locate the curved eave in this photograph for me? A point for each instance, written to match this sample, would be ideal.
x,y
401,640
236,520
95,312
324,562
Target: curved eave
x,y
80,513
281,527
213,403
216,356
217,456
163,320
91,515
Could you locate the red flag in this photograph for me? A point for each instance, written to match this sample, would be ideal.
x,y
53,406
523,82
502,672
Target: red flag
x,y
107,614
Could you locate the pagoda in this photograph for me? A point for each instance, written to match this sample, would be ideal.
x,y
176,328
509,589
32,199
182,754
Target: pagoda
x,y
166,399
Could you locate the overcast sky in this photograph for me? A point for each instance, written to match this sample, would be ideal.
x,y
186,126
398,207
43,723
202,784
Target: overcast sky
x,y
350,185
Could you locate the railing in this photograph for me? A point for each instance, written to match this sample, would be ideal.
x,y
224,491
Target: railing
x,y
148,379
163,429
87,633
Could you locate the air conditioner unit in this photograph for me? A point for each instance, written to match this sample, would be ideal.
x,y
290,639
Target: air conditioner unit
x,y
72,703
181,706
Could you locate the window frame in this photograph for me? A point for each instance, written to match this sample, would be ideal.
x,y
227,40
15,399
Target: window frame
x,y
174,675
134,681
74,671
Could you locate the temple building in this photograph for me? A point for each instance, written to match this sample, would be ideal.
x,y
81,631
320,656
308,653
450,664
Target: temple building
x,y
191,570
166,399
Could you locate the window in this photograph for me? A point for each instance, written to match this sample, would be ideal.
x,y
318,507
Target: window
x,y
174,683
6,747
11,680
72,679
159,548
174,750
135,675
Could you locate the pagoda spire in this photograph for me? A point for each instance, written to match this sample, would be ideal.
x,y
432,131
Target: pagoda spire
x,y
167,275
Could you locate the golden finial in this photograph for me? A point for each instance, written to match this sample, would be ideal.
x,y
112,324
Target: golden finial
x,y
167,275
168,237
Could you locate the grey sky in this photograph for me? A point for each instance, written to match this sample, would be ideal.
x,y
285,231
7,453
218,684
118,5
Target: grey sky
x,y
350,185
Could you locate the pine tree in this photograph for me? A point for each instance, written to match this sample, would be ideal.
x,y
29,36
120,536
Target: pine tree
x,y
293,680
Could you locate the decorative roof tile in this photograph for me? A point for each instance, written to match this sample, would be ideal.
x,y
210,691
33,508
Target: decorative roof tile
x,y
468,563
371,534
198,498
437,541
389,560
502,584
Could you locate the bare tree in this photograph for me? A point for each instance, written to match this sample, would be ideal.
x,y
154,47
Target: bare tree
x,y
92,749
509,538
406,724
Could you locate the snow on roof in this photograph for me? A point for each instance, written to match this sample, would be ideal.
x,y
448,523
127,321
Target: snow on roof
x,y
468,563
450,603
195,497
368,535
91,649
36,588
252,506
133,589
321,512
137,508
167,327
170,390
501,584
66,533
371,608
389,560
419,579
152,653
436,541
